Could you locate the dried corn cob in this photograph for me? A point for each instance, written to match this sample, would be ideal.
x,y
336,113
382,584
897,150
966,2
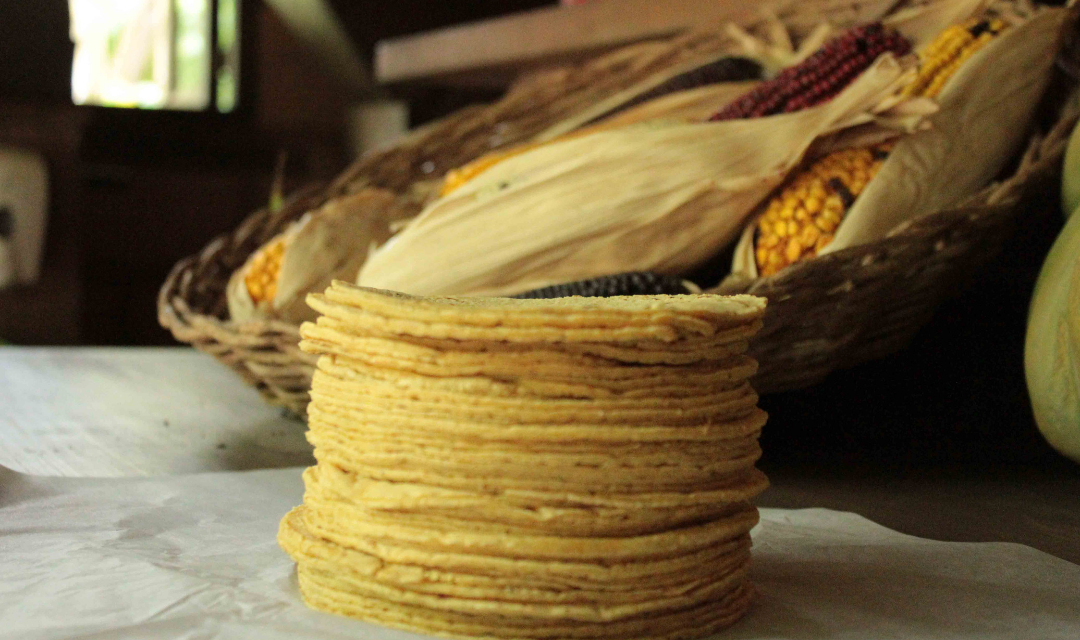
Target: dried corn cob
x,y
942,57
821,76
261,277
729,69
632,283
325,243
802,218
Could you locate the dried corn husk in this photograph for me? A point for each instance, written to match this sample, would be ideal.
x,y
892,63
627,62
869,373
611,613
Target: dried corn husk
x,y
986,111
776,50
648,198
922,23
326,244
771,44
595,112
691,105
984,114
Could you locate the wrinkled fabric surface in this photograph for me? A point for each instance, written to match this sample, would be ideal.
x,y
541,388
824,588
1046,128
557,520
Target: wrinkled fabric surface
x,y
194,557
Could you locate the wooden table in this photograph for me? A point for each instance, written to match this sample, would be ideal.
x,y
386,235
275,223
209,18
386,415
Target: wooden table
x,y
137,412
1040,509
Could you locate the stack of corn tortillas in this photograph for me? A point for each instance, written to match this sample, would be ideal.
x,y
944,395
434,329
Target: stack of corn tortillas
x,y
577,467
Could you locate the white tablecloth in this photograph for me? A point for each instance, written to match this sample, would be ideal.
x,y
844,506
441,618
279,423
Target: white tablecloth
x,y
194,557
106,412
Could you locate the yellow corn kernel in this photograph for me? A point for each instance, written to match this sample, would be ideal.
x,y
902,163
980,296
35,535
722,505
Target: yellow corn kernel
x,y
828,222
774,263
822,242
794,250
800,220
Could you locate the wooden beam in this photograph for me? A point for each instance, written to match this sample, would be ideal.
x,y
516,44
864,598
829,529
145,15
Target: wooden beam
x,y
544,35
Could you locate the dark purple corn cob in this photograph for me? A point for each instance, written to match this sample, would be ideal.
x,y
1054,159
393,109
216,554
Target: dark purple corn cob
x,y
631,283
730,69
820,77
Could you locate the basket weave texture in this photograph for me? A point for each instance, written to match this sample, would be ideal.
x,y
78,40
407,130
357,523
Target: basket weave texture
x,y
831,312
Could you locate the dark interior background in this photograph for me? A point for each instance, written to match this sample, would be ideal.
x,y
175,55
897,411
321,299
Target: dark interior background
x,y
133,192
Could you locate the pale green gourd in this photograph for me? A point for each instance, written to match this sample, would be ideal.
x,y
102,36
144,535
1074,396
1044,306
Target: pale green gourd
x,y
1052,347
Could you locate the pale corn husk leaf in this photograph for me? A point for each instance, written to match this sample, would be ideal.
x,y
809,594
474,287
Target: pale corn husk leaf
x,y
812,42
612,102
743,261
986,111
778,33
639,198
898,116
327,243
241,306
690,105
774,48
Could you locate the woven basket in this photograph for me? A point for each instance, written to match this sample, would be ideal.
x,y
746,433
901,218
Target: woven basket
x,y
831,312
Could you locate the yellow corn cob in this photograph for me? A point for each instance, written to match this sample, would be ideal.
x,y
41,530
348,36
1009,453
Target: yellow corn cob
x,y
942,57
262,275
801,220
803,217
